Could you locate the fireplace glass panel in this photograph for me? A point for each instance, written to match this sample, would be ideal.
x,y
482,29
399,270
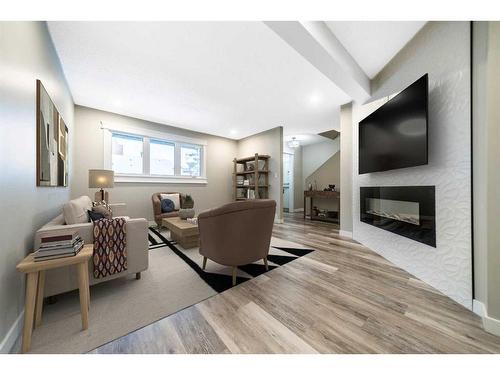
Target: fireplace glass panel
x,y
408,212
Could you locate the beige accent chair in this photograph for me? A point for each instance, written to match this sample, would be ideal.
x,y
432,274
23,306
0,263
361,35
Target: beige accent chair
x,y
237,233
75,217
155,198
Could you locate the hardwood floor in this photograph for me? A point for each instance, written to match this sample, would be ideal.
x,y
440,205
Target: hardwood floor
x,y
343,298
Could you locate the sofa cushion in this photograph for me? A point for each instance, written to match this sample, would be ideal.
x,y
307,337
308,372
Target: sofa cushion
x,y
174,197
75,211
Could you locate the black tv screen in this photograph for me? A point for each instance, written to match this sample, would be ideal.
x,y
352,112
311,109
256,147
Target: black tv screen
x,y
395,135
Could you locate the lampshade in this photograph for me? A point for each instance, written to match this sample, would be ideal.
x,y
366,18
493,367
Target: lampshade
x,y
101,178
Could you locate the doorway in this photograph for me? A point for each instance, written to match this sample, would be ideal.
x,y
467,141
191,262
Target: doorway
x,y
288,193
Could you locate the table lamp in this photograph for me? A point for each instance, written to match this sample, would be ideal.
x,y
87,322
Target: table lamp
x,y
101,178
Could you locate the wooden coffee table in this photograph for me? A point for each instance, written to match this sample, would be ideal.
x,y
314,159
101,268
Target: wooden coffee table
x,y
184,233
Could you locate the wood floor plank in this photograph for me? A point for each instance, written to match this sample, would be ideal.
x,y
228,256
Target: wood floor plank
x,y
196,334
342,298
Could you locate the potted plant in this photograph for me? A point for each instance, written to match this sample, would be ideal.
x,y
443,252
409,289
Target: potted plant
x,y
188,201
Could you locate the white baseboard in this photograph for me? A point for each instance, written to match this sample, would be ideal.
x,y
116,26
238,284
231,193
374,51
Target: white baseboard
x,y
11,337
490,324
478,308
277,220
345,233
298,210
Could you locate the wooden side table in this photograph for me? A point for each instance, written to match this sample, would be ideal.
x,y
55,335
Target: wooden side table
x,y
35,281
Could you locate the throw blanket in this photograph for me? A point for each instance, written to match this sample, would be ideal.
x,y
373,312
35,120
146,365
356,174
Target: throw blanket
x,y
110,247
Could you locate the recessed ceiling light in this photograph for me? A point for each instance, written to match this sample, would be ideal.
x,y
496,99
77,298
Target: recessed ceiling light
x,y
117,103
233,132
315,99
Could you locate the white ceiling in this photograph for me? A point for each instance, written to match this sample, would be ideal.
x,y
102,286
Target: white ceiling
x,y
231,79
305,139
374,43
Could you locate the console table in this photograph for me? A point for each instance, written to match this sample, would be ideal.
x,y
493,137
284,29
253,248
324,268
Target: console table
x,y
311,194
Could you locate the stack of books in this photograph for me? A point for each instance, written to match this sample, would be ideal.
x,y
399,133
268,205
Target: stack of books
x,y
54,246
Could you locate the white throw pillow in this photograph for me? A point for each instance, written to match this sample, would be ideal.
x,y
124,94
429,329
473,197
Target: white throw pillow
x,y
174,198
75,211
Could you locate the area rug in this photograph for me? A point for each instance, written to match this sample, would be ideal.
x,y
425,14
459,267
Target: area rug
x,y
173,281
219,277
120,306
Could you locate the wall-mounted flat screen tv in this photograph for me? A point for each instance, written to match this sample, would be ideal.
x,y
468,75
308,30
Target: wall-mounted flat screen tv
x,y
395,135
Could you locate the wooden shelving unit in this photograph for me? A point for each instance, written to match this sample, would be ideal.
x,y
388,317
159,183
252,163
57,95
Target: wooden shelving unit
x,y
254,168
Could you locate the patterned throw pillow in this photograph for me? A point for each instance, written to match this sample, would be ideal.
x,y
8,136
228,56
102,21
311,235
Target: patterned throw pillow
x,y
174,197
94,216
103,208
167,205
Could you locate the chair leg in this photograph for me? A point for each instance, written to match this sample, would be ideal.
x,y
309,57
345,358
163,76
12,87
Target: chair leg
x,y
138,276
234,276
204,262
265,263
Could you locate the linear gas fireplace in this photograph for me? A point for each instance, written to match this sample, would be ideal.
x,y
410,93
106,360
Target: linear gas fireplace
x,y
409,211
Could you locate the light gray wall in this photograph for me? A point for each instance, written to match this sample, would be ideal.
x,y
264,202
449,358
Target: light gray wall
x,y
220,153
26,54
346,125
321,167
441,49
486,159
328,173
480,159
315,155
493,146
269,142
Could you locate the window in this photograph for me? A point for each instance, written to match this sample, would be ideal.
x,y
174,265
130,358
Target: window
x,y
190,160
127,154
154,157
162,158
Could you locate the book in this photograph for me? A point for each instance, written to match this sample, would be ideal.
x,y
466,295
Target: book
x,y
60,244
59,237
38,258
68,250
41,254
56,256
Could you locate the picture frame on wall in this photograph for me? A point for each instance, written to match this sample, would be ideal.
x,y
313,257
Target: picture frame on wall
x,y
51,142
62,145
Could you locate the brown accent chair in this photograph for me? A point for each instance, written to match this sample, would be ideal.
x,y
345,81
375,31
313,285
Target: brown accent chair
x,y
157,207
237,233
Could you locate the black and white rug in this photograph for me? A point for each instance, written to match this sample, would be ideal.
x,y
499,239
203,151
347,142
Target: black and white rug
x,y
219,277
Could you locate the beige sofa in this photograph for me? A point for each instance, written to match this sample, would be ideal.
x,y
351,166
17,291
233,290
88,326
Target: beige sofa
x,y
74,216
